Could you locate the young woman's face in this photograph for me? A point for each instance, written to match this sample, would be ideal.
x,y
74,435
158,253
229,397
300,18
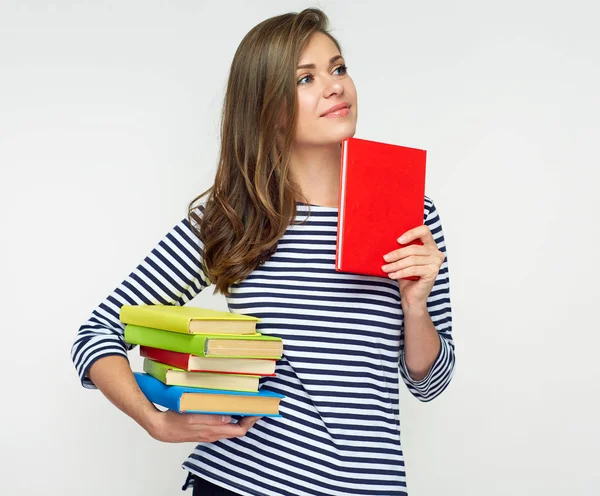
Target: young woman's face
x,y
319,89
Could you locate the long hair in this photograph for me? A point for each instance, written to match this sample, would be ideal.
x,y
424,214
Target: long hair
x,y
253,199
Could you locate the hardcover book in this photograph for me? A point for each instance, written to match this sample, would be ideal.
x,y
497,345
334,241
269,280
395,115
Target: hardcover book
x,y
206,345
192,363
382,195
194,400
172,376
188,319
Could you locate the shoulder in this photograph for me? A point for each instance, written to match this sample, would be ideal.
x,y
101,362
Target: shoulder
x,y
196,212
432,220
429,210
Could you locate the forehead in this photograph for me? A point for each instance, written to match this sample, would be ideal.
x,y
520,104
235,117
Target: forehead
x,y
319,49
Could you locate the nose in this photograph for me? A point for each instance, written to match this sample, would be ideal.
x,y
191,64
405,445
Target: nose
x,y
333,87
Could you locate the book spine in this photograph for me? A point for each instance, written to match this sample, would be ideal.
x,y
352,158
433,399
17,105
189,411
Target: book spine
x,y
171,341
156,369
157,392
179,360
146,317
342,203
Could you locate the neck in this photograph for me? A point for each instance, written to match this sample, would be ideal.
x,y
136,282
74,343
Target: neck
x,y
316,170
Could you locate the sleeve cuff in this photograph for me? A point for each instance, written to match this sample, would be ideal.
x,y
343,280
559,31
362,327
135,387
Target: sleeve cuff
x,y
89,356
422,383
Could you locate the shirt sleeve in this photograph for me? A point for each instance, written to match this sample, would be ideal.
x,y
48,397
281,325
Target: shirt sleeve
x,y
438,304
171,274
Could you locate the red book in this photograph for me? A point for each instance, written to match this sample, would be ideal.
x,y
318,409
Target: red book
x,y
193,363
382,195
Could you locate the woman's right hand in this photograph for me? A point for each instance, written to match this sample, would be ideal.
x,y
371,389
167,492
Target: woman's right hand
x,y
173,427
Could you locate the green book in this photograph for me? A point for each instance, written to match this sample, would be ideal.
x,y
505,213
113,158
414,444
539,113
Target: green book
x,y
173,376
207,345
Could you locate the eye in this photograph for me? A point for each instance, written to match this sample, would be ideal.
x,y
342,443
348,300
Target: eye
x,y
343,68
303,78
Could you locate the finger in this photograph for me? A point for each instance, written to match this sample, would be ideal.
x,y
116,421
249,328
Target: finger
x,y
211,434
409,262
227,430
421,232
248,422
415,270
230,430
401,253
204,419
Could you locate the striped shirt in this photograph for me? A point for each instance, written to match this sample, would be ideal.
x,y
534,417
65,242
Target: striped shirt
x,y
339,433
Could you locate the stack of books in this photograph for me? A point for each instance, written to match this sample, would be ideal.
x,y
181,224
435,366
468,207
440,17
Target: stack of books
x,y
198,360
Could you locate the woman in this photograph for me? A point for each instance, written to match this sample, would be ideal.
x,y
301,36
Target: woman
x,y
265,237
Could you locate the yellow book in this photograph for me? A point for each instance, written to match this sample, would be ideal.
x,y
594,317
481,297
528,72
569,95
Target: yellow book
x,y
188,319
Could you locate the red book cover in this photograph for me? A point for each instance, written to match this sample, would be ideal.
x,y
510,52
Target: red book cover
x,y
192,363
382,195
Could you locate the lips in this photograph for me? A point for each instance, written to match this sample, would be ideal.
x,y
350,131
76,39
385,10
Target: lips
x,y
340,106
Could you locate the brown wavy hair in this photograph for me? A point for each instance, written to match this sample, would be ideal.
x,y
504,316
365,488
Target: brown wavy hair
x,y
253,199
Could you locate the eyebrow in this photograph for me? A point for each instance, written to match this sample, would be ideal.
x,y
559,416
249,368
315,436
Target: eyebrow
x,y
313,66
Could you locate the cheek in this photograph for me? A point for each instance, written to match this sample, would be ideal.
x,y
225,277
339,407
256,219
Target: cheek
x,y
306,113
307,105
351,90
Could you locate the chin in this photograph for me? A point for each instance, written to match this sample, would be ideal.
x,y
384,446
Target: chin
x,y
349,133
328,137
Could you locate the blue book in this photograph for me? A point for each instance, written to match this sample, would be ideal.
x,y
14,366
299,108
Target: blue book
x,y
210,401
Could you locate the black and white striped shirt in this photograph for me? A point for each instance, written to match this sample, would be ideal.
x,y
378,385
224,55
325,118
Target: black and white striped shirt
x,y
343,355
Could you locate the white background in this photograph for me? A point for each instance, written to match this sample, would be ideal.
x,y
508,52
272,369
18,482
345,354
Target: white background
x,y
109,127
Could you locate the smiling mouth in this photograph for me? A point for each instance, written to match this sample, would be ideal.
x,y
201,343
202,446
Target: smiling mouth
x,y
336,109
343,112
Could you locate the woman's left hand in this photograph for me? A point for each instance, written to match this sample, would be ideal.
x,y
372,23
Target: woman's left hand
x,y
414,260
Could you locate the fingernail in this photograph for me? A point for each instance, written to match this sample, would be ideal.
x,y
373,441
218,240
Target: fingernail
x,y
225,419
402,239
386,257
